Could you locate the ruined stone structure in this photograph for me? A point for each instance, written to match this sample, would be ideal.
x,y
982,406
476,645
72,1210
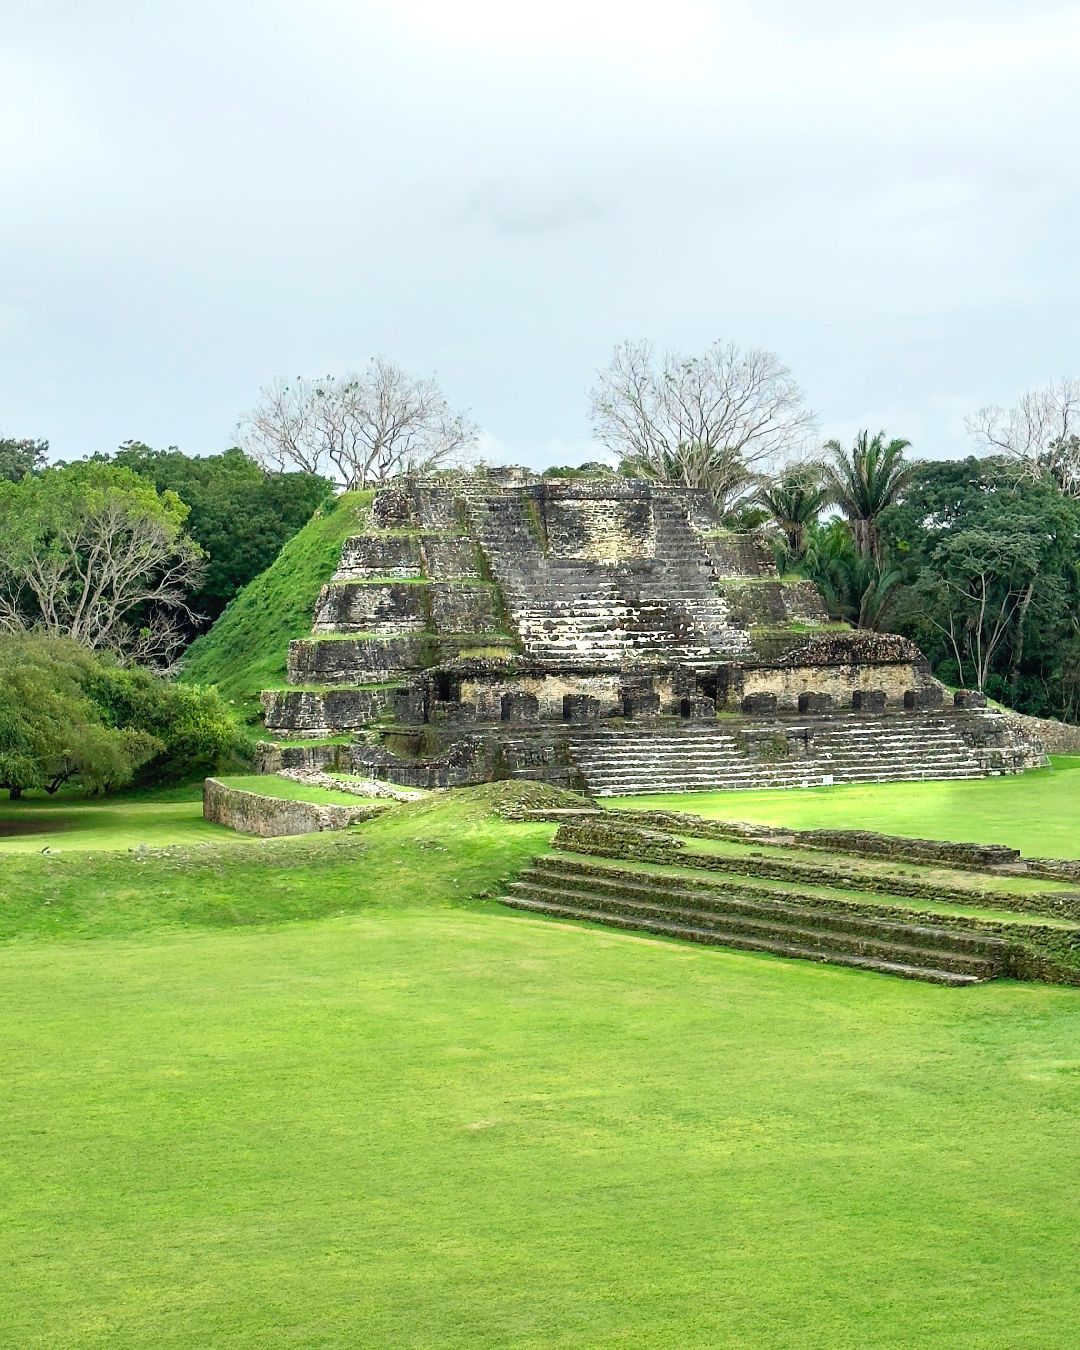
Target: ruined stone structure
x,y
608,635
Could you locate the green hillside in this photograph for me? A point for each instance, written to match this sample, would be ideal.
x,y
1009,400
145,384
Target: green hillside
x,y
245,651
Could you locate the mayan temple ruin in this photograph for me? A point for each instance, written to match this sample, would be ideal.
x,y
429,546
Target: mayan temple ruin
x,y
611,636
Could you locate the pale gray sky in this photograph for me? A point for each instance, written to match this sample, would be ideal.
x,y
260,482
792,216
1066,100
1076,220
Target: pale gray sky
x,y
201,195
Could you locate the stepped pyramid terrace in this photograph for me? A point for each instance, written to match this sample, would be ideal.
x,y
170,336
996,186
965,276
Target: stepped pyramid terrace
x,y
608,635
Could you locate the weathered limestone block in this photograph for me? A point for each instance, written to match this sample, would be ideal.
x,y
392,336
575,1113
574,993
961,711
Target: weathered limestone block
x,y
924,700
759,703
641,703
756,602
457,608
804,603
580,708
520,707
697,708
372,607
372,555
740,555
311,712
450,559
356,660
816,703
252,813
610,530
868,700
969,698
436,506
392,507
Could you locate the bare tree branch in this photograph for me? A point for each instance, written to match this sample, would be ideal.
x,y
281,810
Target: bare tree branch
x,y
360,429
708,421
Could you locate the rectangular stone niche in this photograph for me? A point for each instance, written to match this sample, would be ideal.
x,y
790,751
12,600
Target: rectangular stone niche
x,y
923,700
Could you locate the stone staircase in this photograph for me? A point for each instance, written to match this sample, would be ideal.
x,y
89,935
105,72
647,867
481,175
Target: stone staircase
x,y
571,611
709,757
567,888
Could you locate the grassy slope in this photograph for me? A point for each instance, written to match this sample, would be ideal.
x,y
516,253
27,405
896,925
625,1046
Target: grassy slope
x,y
1037,812
245,650
452,1128
441,848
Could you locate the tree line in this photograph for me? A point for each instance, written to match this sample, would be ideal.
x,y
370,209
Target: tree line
x,y
129,555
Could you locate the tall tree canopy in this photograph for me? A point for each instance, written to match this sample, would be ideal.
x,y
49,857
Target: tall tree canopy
x,y
864,481
360,429
1041,432
95,553
18,458
240,514
708,421
993,558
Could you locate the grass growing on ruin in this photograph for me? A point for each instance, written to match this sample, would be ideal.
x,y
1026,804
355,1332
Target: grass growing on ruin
x,y
1037,812
246,649
426,1125
270,785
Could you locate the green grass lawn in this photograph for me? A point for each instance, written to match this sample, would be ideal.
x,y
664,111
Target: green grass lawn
x,y
270,785
1037,812
457,1128
320,1092
246,649
127,820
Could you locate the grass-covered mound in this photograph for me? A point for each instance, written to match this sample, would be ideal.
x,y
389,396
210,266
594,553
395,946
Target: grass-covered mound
x,y
1036,812
446,847
246,649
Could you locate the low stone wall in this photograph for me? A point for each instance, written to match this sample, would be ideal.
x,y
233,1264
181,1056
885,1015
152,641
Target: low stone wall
x,y
593,835
858,843
270,817
1058,738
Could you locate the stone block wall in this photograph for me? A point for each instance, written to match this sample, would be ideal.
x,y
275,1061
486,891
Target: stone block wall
x,y
270,817
312,712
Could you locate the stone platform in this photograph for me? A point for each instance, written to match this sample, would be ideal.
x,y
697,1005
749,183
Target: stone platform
x,y
610,635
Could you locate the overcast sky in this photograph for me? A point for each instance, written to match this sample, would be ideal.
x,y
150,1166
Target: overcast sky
x,y
201,196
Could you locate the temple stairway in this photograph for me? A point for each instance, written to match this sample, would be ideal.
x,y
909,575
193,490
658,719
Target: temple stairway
x,y
572,611
713,756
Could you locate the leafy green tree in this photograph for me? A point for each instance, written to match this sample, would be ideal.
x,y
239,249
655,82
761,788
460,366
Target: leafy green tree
x,y
240,514
94,552
191,725
19,458
865,481
856,587
993,554
72,716
794,501
51,731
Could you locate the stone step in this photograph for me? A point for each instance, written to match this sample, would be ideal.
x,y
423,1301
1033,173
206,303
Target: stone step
x,y
771,926
736,897
741,942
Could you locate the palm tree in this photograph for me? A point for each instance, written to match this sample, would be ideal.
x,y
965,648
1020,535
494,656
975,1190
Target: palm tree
x,y
864,480
856,587
794,500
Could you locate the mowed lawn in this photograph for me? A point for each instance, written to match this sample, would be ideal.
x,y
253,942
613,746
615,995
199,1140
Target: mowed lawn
x,y
320,1092
440,1127
1037,812
127,820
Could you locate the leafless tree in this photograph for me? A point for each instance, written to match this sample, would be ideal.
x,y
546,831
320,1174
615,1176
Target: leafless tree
x,y
1041,432
359,429
710,421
